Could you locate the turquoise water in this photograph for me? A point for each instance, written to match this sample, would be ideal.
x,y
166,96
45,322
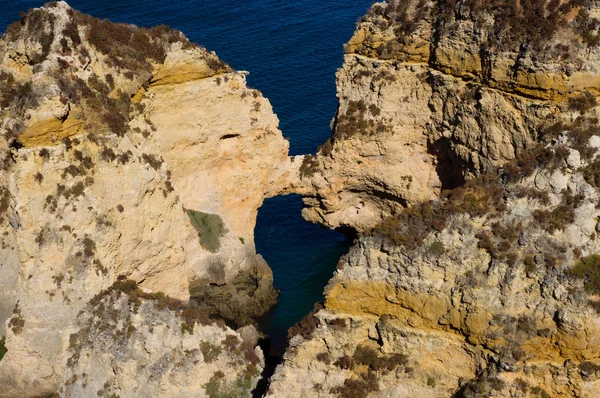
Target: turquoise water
x,y
292,50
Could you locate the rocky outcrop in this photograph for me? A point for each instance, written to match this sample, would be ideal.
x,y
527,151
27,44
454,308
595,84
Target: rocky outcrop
x,y
131,344
490,290
128,153
465,154
433,93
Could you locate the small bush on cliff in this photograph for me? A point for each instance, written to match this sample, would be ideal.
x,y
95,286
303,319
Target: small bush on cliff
x,y
483,386
324,357
218,387
309,166
537,391
591,173
588,269
354,121
307,325
128,47
3,349
589,368
17,322
583,102
152,161
37,25
369,357
357,388
4,200
231,343
210,229
210,352
478,197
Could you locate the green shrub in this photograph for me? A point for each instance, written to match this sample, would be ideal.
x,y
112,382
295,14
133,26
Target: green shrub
x,y
210,351
431,381
3,349
218,387
529,262
437,248
588,269
214,384
210,229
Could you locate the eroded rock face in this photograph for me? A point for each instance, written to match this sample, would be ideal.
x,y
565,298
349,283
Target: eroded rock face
x,y
434,93
490,290
130,346
487,289
127,153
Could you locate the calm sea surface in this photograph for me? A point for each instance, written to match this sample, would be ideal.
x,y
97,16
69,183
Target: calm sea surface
x,y
292,50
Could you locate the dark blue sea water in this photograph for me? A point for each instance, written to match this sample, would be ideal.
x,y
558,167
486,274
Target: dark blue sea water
x,y
292,50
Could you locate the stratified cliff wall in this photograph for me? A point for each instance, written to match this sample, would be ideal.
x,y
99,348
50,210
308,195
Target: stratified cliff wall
x,y
464,152
128,154
434,93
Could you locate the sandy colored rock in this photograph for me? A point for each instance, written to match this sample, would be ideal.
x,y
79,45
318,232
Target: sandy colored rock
x,y
421,112
147,169
485,289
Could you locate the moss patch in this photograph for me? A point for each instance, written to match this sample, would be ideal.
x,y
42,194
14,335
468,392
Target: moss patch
x,y
210,229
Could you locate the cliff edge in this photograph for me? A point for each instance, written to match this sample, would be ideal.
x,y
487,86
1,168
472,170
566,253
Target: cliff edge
x,y
129,154
434,93
465,154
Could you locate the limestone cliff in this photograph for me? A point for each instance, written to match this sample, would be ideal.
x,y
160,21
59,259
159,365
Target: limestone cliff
x,y
127,153
432,93
465,153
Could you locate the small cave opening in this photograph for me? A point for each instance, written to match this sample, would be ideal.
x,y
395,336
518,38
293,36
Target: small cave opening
x,y
303,257
229,136
450,168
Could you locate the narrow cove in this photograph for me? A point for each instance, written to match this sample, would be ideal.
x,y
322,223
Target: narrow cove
x,y
303,257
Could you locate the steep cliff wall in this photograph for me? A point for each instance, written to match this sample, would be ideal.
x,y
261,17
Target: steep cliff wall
x,y
465,154
433,93
127,153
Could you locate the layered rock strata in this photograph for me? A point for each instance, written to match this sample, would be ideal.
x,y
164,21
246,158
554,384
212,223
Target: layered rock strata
x,y
464,153
127,153
432,93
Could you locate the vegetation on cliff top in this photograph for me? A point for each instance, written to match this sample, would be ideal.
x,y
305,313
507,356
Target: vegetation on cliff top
x,y
486,195
516,26
115,320
65,52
